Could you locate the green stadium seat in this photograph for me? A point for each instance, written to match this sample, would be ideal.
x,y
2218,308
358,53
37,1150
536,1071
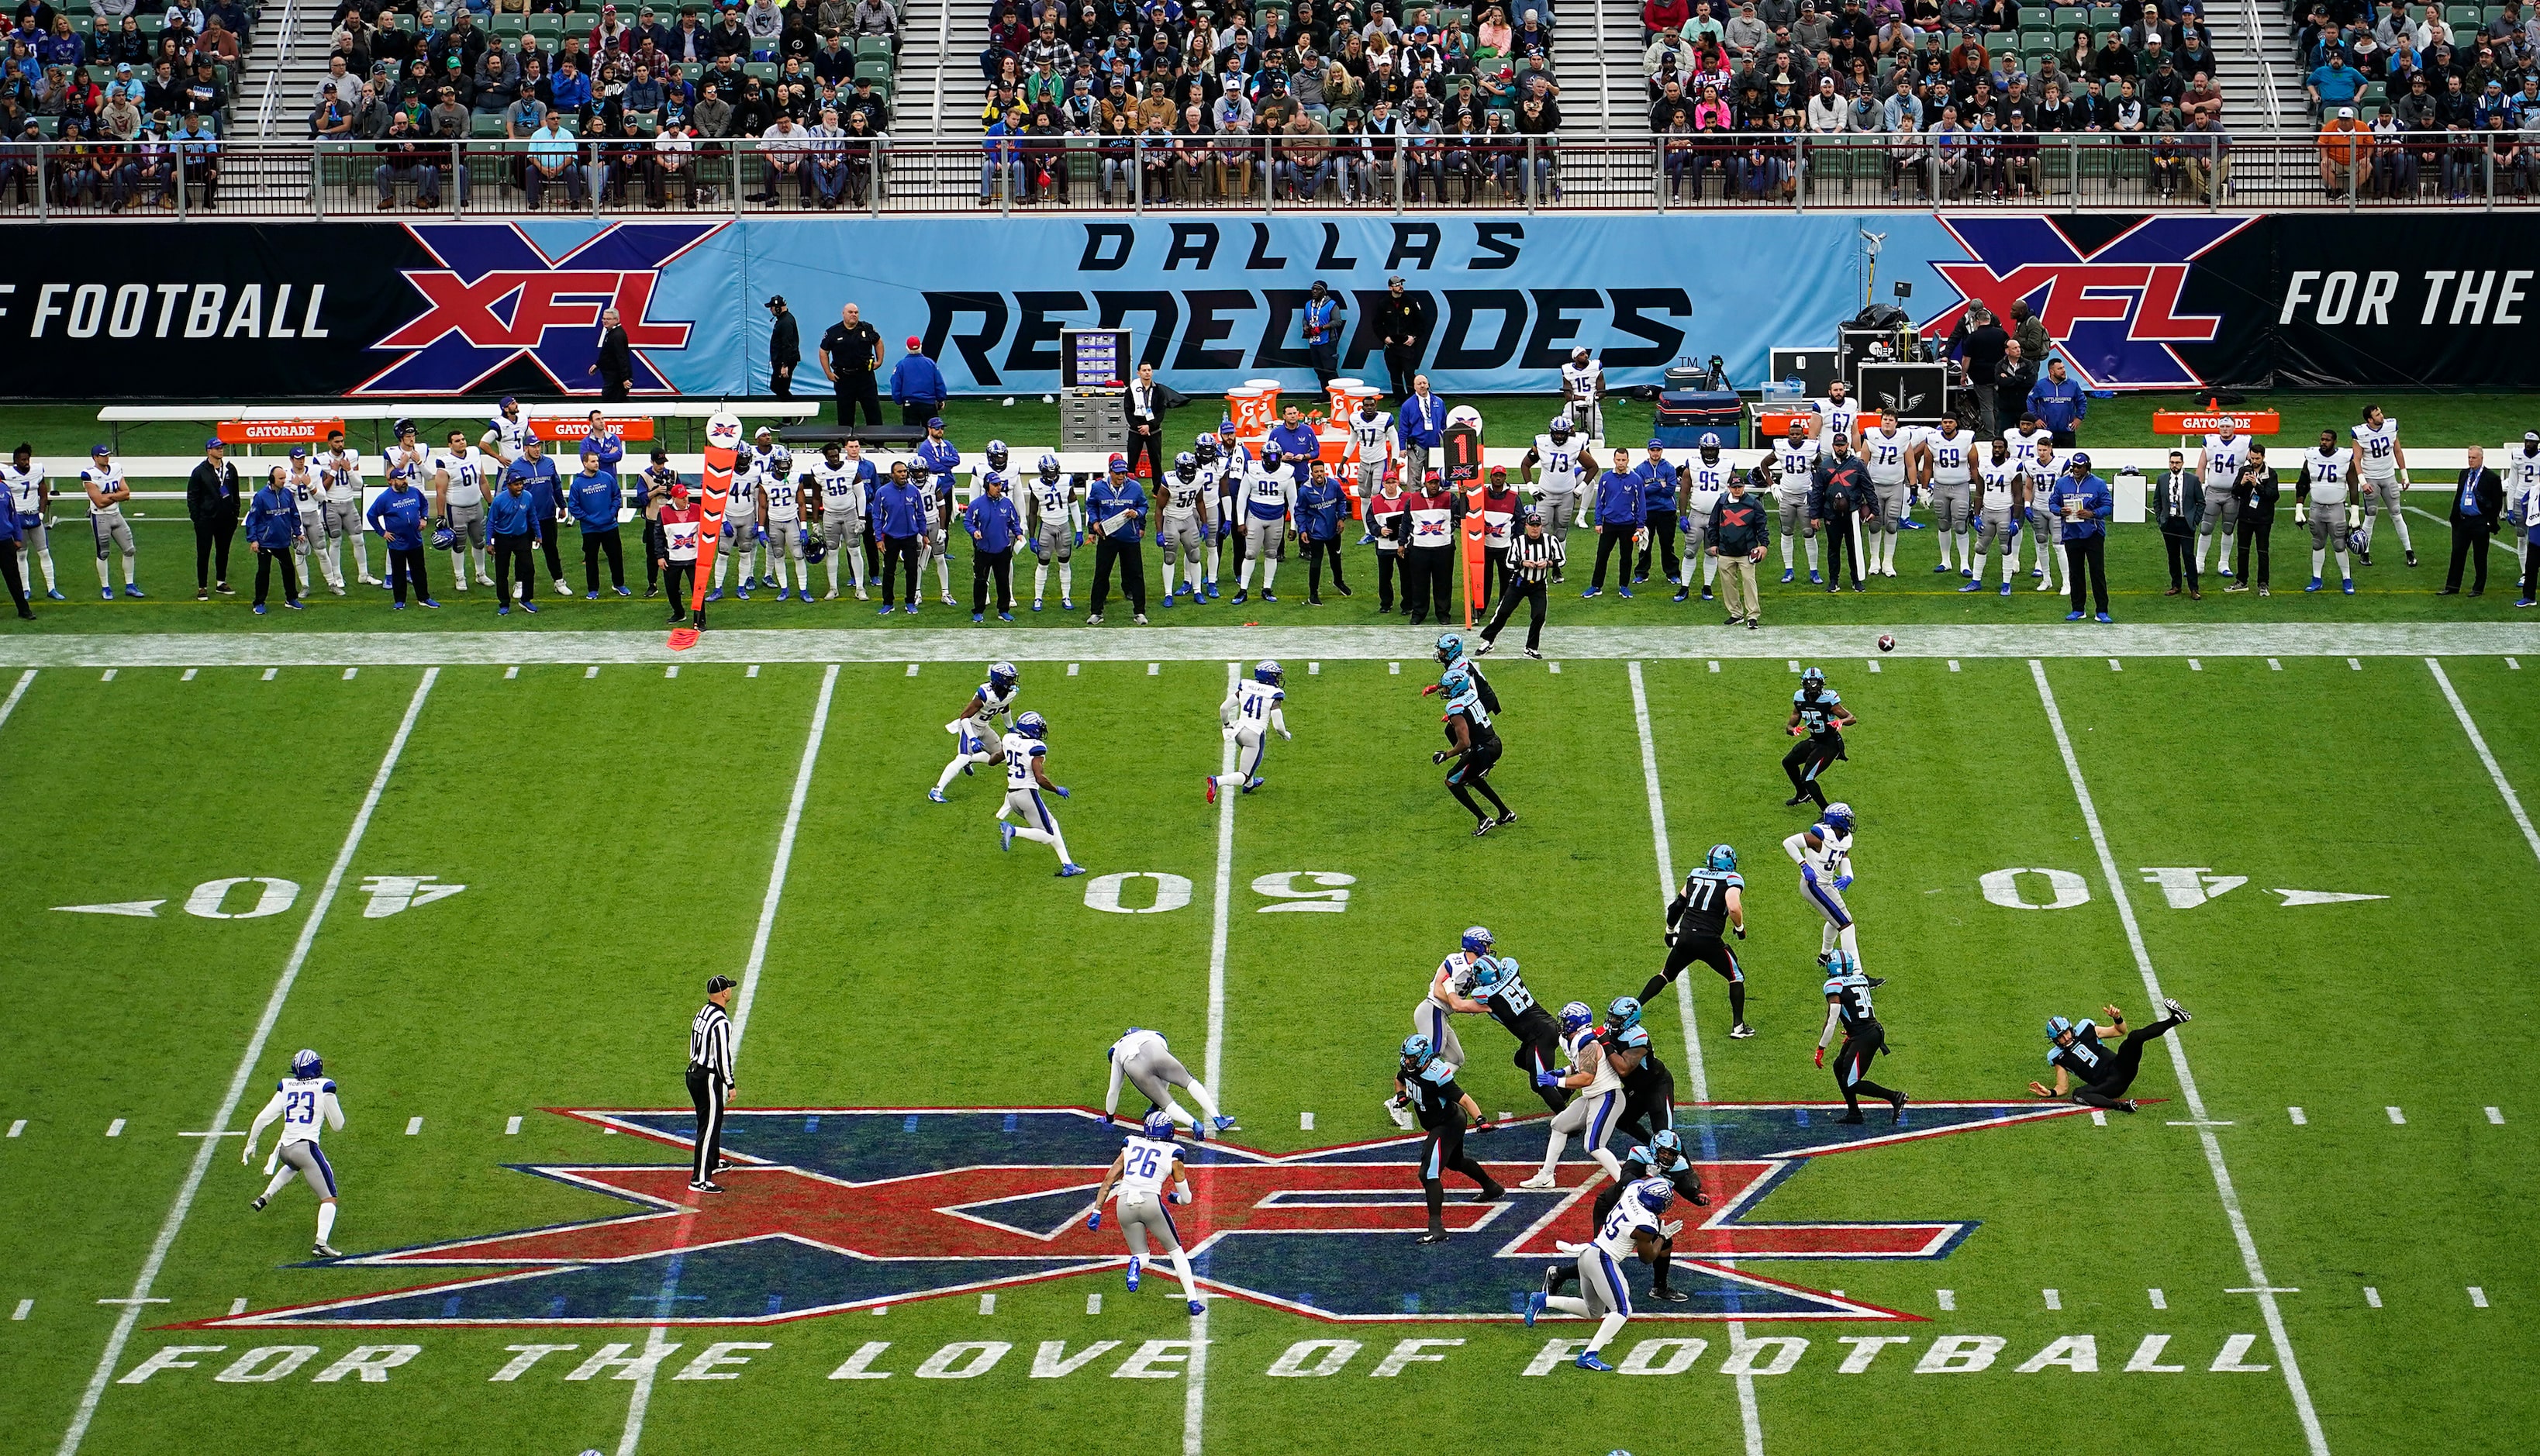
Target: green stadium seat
x,y
2460,16
511,26
874,48
486,125
875,70
765,71
547,29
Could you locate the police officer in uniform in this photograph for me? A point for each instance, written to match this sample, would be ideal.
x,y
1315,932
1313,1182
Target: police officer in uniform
x,y
1429,1087
1818,720
1842,491
783,348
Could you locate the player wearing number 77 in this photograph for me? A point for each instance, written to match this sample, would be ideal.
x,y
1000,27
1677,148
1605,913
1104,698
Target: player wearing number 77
x,y
305,1103
1141,1173
1247,716
1026,776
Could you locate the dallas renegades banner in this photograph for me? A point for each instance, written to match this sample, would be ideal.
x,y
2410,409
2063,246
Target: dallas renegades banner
x,y
388,311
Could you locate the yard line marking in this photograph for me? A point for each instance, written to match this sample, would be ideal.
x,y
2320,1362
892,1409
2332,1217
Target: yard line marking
x,y
2397,1118
2198,1123
2495,1115
1222,893
2477,1297
269,673
2223,1185
2371,1297
512,1127
414,1127
202,1163
2460,710
109,677
2296,1114
190,675
2160,1300
1946,1299
231,1132
1700,1074
114,1129
25,1308
153,1300
2054,1298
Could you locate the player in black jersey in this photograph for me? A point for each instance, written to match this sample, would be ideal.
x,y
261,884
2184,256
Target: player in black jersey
x,y
1429,1087
1475,747
2078,1056
1818,720
1848,1008
1649,1089
1712,901
1662,1158
1501,992
1451,650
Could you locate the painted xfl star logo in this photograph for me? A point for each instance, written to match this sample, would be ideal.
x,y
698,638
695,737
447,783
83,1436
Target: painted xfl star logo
x,y
2114,314
832,1210
498,295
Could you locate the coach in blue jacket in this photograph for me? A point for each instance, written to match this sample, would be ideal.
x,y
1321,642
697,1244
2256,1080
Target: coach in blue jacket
x,y
2082,502
2058,402
917,385
1116,511
512,519
1422,425
994,525
538,477
1621,512
594,497
398,515
901,516
272,526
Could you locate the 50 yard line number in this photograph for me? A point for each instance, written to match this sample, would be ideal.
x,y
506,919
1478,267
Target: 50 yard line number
x,y
1309,892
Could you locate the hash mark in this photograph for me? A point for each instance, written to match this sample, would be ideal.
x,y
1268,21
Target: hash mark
x,y
114,1129
239,1305
1304,1122
2495,1115
2160,1300
1873,664
2477,1297
26,1307
1795,664
753,672
1393,667
1714,666
2298,1119
2513,663
2275,667
17,1127
1155,668
1071,668
414,1127
1947,1300
511,672
988,1303
2193,666
2371,1297
1552,667
2116,666
1313,669
2098,1118
1954,665
2054,1298
1093,1304
2397,1118
109,677
2356,663
673,670
590,673
512,1127
189,676
269,674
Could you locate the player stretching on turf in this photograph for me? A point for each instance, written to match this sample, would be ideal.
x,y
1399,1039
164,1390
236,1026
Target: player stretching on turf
x,y
1818,720
1426,1083
1712,899
1145,1062
2077,1054
975,740
1631,1230
1848,1009
1248,716
1823,852
1147,1163
1027,775
1474,745
1591,1114
306,1103
1662,1158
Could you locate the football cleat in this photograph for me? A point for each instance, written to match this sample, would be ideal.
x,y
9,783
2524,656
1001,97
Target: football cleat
x,y
1534,1301
1540,1182
1898,1102
1741,1032
1006,836
2315,584
1070,871
259,1204
1433,1236
1197,1309
1588,1360
324,1251
1211,781
936,796
1135,1264
2176,1011
1223,1124
1671,1296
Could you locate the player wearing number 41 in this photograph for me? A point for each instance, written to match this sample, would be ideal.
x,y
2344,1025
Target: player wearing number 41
x,y
2077,1054
975,740
1248,718
1633,1230
1141,1173
1026,753
1823,852
1596,1078
305,1103
1142,1059
1712,899
1848,1010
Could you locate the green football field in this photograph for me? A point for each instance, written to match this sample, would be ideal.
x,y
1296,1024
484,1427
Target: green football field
x,y
2310,830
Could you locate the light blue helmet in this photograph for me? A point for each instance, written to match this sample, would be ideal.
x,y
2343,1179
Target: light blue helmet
x,y
1158,1127
306,1063
1623,1014
1654,1194
2057,1029
1032,725
1416,1051
1838,816
1488,972
1457,681
1450,647
1576,1016
1268,670
1477,940
1667,1147
1723,857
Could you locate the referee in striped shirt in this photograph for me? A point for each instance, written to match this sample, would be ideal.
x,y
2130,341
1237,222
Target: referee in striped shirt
x,y
1536,555
710,1079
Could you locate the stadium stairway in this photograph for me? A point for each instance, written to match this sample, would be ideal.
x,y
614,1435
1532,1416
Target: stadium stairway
x,y
940,61
1616,104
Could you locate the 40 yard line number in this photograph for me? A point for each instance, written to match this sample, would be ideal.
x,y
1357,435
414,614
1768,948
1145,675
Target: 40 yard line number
x,y
1291,891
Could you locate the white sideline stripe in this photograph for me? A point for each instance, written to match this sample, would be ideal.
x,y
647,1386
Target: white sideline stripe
x,y
2223,1185
1698,1077
211,1146
639,1401
913,645
2460,710
1222,892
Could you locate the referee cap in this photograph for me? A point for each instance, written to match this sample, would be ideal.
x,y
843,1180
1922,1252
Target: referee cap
x,y
715,984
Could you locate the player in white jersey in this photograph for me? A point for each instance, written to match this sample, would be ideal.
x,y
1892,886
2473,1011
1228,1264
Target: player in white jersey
x,y
2327,478
838,493
975,738
1268,519
1824,852
1372,447
1142,1060
305,1104
1583,394
1795,456
2026,439
339,480
1248,716
2045,528
1951,455
1185,525
306,481
106,493
1027,754
780,522
2519,464
2005,499
1053,525
1893,456
1838,417
1141,1174
2217,467
31,498
510,429
1703,482
739,543
2381,467
1450,996
1558,453
1595,1104
1632,1230
459,503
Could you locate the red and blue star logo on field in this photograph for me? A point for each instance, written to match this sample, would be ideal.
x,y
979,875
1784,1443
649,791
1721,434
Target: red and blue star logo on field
x,y
839,1209
498,296
2114,313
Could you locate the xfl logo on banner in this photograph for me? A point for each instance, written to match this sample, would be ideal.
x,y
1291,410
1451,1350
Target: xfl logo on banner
x,y
498,297
2114,313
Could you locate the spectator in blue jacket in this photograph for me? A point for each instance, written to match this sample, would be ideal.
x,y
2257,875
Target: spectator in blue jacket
x,y
2058,402
1319,506
398,515
594,498
1116,511
901,516
512,519
538,477
2082,502
13,537
994,525
1621,513
917,385
272,531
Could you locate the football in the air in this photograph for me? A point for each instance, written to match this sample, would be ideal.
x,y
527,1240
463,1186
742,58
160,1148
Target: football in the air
x,y
1886,644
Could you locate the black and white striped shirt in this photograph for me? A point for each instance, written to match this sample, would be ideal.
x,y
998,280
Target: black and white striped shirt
x,y
1533,558
710,1042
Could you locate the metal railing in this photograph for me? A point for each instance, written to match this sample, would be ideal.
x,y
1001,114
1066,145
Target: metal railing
x,y
1262,174
269,109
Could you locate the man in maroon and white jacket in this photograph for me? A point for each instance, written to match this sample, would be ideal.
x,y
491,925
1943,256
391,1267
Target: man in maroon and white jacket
x,y
1388,520
1429,560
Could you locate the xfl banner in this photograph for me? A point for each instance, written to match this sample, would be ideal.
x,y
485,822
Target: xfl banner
x,y
390,310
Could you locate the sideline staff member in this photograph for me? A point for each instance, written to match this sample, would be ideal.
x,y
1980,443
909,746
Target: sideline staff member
x,y
2082,502
212,500
710,1081
783,348
851,353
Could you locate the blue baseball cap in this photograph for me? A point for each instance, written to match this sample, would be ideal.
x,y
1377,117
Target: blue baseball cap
x,y
936,423
1119,463
215,442
98,450
509,401
298,451
1657,445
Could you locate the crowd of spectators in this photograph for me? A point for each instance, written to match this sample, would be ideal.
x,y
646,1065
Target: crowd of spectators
x,y
2411,105
127,97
